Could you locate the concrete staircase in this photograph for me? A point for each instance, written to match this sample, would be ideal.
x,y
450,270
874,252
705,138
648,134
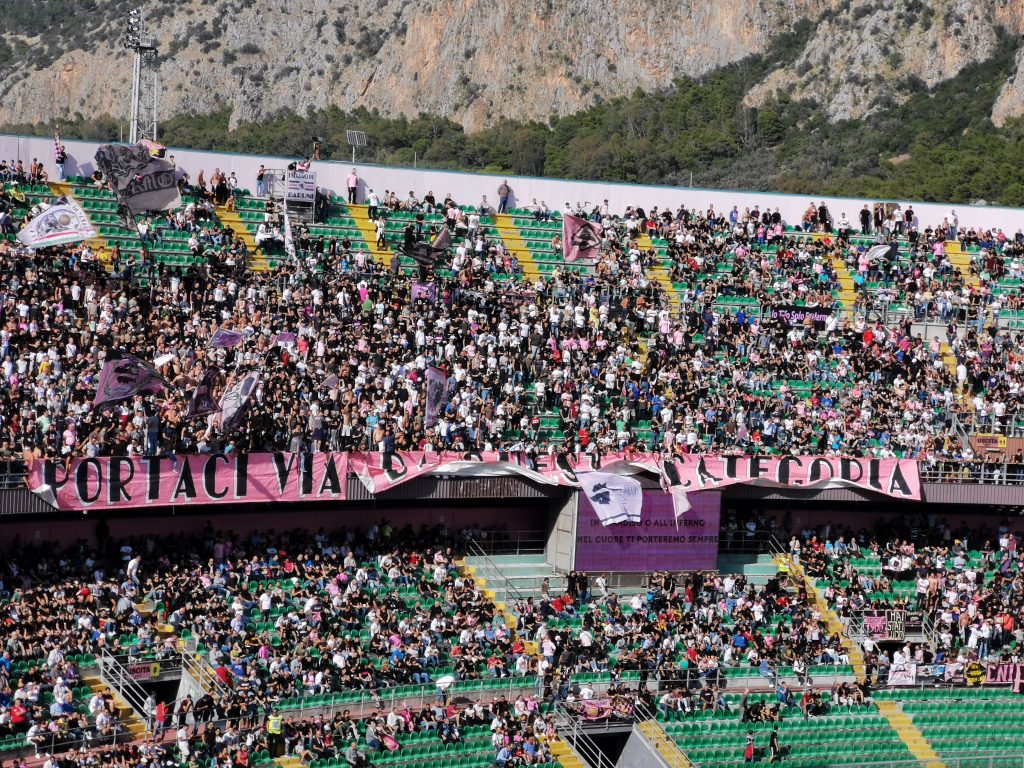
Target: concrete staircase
x,y
847,292
916,742
368,231
663,743
518,575
129,720
514,244
258,262
658,271
564,754
758,569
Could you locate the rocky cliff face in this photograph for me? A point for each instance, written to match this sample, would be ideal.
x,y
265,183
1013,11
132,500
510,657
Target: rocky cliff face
x,y
478,62
878,52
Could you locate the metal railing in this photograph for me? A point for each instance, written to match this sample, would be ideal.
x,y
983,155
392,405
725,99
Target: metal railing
x,y
196,667
971,472
487,569
374,700
663,744
570,729
116,675
54,743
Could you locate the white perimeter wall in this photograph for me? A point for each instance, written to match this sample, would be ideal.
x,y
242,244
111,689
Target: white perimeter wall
x,y
468,188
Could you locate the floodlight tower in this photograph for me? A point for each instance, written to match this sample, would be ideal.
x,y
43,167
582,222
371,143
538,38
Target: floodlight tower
x,y
145,86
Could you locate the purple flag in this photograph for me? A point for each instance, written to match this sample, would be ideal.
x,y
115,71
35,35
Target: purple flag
x,y
330,382
581,239
224,339
285,337
235,398
126,377
202,402
437,394
423,290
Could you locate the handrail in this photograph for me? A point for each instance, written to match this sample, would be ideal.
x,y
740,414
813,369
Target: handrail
x,y
663,744
474,549
200,671
117,677
582,744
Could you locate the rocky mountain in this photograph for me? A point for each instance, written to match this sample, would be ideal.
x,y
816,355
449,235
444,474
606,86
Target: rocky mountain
x,y
478,62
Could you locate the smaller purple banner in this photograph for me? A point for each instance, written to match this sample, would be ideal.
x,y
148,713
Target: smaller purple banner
x,y
658,542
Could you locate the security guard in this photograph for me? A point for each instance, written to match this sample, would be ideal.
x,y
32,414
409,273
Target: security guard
x,y
274,728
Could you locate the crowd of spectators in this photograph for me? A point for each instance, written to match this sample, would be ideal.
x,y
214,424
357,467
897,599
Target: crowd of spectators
x,y
964,583
605,350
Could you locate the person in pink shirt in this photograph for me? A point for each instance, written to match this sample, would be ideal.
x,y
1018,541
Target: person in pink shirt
x,y
353,186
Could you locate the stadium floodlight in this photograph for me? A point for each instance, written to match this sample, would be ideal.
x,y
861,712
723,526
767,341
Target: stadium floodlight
x,y
144,82
355,139
133,29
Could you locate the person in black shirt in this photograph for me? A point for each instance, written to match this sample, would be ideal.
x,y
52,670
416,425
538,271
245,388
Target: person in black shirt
x,y
774,748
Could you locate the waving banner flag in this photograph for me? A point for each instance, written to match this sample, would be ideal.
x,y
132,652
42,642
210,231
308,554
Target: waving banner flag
x,y
881,251
426,254
442,241
223,339
423,290
63,222
140,181
235,398
437,394
202,402
581,239
126,377
616,499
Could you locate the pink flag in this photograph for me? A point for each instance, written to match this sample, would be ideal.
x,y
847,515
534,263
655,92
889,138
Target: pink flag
x,y
581,239
442,240
126,377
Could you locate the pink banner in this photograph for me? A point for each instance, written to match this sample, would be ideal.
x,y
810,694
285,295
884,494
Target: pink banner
x,y
898,478
139,481
122,482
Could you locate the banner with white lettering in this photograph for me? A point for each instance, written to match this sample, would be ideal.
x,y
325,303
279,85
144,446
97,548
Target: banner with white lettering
x,y
300,187
157,481
135,481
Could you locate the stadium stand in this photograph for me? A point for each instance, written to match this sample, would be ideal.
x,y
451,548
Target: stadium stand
x,y
397,647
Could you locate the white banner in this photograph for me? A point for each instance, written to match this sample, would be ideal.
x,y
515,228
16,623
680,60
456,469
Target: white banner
x,y
902,674
63,222
615,498
300,187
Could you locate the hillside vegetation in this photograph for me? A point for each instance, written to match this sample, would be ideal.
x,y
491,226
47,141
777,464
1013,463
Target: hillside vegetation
x,y
939,145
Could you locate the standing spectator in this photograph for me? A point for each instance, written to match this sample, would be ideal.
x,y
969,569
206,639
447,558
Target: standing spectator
x,y
774,748
372,203
353,187
60,155
261,182
504,190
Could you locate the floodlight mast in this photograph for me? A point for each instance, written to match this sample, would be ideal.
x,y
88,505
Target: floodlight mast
x,y
145,86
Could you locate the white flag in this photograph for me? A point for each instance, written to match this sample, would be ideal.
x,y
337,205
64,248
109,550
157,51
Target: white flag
x,y
680,503
616,499
63,222
289,239
235,398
